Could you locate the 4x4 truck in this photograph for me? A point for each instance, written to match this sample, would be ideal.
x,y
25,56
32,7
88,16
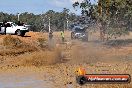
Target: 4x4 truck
x,y
79,33
12,28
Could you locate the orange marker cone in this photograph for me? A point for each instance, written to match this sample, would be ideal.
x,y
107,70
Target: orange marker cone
x,y
81,71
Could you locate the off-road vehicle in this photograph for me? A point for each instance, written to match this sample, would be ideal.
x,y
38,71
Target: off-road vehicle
x,y
79,33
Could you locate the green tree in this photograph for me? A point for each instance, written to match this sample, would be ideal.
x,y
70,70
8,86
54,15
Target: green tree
x,y
117,14
39,22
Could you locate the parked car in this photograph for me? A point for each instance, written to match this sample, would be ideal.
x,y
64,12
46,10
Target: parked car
x,y
12,28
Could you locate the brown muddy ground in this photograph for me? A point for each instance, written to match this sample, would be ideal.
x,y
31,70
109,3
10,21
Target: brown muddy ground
x,y
30,63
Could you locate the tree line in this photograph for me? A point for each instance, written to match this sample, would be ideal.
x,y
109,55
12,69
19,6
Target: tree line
x,y
40,22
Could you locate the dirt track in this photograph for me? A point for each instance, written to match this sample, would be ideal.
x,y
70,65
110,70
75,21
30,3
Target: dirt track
x,y
94,56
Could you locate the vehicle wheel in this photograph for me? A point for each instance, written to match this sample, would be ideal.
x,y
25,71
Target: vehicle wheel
x,y
72,35
85,38
18,32
22,34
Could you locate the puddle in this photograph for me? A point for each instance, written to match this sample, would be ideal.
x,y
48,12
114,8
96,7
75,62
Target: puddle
x,y
26,81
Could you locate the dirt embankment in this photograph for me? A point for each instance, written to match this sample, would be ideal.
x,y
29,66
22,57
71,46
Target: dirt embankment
x,y
14,46
18,51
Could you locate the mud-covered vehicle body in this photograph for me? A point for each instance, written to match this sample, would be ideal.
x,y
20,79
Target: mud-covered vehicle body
x,y
79,33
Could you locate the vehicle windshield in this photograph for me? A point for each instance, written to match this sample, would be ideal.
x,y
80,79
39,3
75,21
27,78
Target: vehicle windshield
x,y
79,29
14,24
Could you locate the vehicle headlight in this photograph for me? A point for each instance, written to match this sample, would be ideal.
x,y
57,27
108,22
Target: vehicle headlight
x,y
24,28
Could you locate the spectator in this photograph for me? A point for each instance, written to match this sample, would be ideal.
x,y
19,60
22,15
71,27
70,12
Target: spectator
x,y
62,35
5,25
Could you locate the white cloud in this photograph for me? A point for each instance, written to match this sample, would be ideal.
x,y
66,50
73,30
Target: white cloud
x,y
76,1
61,3
65,4
92,1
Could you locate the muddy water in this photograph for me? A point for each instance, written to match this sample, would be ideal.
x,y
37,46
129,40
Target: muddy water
x,y
34,77
13,80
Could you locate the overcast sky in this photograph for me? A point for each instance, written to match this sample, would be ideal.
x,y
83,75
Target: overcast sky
x,y
36,6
